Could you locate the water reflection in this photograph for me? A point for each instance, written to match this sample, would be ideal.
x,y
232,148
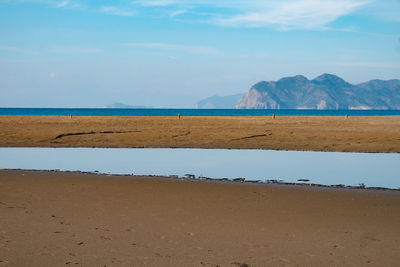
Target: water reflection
x,y
373,170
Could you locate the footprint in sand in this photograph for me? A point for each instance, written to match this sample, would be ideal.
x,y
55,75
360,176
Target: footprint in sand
x,y
3,263
69,263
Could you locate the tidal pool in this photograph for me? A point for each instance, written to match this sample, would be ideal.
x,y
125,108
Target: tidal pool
x,y
326,168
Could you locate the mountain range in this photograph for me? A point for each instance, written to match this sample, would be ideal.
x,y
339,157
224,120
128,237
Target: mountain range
x,y
122,105
219,102
326,91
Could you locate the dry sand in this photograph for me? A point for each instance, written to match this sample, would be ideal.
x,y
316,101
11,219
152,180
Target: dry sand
x,y
69,219
357,134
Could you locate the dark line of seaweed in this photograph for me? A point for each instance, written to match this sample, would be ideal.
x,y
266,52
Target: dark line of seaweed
x,y
251,136
92,132
187,133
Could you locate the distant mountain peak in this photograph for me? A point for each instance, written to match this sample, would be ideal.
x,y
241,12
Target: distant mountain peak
x,y
327,76
294,81
300,77
331,79
262,85
222,102
326,91
376,84
122,105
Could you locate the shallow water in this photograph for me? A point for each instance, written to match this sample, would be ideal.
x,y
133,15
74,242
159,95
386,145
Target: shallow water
x,y
327,168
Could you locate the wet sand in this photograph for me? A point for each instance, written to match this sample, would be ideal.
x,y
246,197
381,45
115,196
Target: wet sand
x,y
72,219
356,134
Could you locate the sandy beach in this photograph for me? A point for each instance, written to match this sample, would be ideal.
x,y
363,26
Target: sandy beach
x,y
356,134
72,219
118,148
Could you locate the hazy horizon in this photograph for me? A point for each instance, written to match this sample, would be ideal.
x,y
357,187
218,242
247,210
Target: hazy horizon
x,y
168,53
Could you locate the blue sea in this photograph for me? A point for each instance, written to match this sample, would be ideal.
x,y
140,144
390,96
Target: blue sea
x,y
188,112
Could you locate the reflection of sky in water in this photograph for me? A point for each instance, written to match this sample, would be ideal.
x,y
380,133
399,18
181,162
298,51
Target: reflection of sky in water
x,y
320,167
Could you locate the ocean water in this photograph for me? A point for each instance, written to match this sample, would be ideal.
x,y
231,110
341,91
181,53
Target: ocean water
x,y
326,168
188,112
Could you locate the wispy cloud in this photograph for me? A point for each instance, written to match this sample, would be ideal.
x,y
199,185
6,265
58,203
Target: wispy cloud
x,y
303,14
113,10
194,49
277,14
156,2
62,4
69,4
284,14
178,12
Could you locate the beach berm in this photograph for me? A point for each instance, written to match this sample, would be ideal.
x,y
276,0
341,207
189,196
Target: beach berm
x,y
320,133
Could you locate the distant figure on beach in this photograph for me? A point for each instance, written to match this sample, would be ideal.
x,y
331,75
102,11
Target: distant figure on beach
x,y
273,116
346,116
70,116
179,116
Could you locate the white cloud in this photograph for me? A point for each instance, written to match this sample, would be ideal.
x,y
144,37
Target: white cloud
x,y
63,4
52,75
194,49
117,11
178,12
68,4
155,2
280,14
299,14
283,14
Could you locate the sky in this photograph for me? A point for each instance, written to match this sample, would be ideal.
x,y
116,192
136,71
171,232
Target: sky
x,y
170,53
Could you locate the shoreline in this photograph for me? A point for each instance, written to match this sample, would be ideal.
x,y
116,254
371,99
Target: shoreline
x,y
188,177
302,133
63,219
208,148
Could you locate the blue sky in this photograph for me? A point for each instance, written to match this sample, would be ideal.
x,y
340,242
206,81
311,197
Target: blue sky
x,y
169,53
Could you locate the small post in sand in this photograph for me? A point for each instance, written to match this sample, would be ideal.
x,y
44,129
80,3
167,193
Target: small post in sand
x,y
273,116
346,116
179,116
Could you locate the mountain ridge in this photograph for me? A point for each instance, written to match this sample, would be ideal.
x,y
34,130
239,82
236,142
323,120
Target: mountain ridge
x,y
219,102
326,91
